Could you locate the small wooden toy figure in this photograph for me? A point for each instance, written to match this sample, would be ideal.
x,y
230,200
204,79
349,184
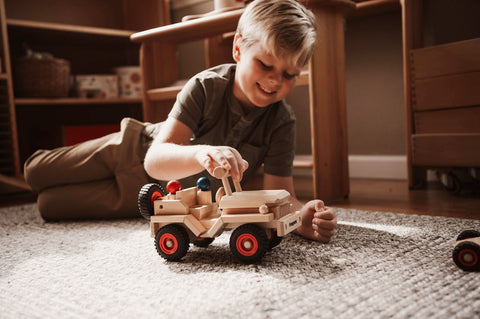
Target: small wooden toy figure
x,y
466,253
259,219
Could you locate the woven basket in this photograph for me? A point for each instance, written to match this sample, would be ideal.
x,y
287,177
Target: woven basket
x,y
48,77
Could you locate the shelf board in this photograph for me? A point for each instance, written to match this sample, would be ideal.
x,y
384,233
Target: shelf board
x,y
68,28
15,181
166,93
74,101
303,161
374,7
303,78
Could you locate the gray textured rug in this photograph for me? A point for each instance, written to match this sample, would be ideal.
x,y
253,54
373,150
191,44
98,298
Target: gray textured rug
x,y
379,265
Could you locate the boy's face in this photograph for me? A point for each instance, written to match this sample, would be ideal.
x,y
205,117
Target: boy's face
x,y
261,78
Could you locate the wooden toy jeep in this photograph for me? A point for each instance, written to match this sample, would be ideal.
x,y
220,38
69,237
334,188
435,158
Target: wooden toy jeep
x,y
259,219
466,253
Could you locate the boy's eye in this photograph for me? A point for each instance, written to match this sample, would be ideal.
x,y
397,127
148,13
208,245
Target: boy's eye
x,y
288,76
264,66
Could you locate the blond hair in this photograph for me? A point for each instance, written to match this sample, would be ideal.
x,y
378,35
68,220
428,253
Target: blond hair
x,y
284,27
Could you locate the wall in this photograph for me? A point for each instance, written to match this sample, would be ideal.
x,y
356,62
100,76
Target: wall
x,y
374,83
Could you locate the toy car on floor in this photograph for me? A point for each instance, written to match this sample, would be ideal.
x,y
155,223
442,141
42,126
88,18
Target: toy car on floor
x,y
466,253
259,219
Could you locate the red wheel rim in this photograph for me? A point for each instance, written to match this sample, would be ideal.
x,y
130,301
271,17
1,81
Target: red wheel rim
x,y
168,243
247,244
468,254
156,195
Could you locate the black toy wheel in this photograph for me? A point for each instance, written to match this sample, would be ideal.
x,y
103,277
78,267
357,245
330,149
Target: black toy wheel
x,y
172,242
203,242
467,256
147,195
274,241
469,233
249,243
451,183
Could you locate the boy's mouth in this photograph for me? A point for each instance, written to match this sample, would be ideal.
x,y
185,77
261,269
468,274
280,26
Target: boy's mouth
x,y
264,89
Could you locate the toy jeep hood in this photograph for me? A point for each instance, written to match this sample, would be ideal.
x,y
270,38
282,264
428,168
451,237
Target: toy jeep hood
x,y
252,199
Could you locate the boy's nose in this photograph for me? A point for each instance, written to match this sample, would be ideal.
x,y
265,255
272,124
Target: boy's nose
x,y
275,79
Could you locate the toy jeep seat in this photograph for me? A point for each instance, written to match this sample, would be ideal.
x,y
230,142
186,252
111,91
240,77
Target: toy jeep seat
x,y
254,201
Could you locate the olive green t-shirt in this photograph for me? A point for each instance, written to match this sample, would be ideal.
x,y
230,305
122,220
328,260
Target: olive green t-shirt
x,y
266,135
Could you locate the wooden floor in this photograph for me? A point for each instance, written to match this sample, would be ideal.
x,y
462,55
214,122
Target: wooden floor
x,y
394,196
374,195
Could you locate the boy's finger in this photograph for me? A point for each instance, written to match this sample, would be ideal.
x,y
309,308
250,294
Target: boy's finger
x,y
328,214
235,171
244,165
321,236
323,224
221,159
207,163
319,205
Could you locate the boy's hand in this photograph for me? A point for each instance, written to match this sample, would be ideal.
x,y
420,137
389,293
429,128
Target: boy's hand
x,y
227,157
318,222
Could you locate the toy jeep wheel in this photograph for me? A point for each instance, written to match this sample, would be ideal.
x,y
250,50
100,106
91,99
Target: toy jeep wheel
x,y
203,242
469,233
147,195
172,242
274,241
467,256
249,243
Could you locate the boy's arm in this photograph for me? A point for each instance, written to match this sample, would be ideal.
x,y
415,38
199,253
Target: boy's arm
x,y
171,157
318,221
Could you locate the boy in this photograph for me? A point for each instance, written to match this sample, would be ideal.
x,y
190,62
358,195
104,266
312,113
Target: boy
x,y
231,115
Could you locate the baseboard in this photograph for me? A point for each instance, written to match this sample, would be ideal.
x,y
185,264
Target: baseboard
x,y
378,166
370,166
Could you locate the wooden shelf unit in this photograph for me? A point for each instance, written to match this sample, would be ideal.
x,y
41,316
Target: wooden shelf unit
x,y
9,155
94,36
442,100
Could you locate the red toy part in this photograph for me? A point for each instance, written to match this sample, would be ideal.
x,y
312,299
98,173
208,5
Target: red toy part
x,y
168,243
173,186
247,244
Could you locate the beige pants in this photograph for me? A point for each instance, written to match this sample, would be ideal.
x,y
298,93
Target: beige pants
x,y
100,178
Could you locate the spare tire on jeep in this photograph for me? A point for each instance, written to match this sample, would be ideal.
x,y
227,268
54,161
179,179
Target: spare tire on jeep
x,y
147,195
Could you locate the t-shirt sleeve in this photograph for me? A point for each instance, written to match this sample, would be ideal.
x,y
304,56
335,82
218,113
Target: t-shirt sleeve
x,y
279,156
189,105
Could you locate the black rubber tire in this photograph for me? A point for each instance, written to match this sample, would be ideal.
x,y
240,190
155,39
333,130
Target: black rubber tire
x,y
249,234
452,184
146,196
469,233
174,235
203,242
464,249
275,241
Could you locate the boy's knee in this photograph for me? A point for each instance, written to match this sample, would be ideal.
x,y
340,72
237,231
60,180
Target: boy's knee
x,y
33,170
48,207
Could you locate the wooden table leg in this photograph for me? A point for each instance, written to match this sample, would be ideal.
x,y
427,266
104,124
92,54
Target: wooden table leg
x,y
327,104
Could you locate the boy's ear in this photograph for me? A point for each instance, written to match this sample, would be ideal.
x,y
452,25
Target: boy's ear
x,y
236,47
